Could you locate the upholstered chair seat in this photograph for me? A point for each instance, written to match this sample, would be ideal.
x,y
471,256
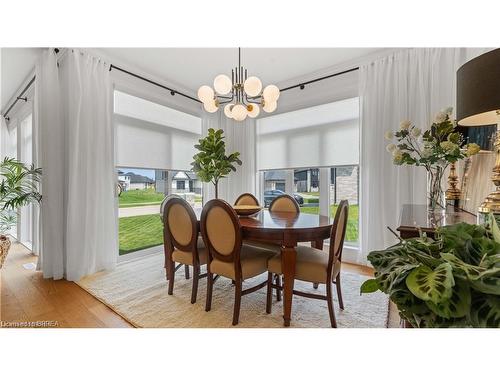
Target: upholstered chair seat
x,y
185,257
311,265
253,262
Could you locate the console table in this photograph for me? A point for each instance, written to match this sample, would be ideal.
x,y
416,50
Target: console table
x,y
415,216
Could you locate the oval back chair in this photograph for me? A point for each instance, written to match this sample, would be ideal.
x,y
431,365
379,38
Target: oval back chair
x,y
182,243
227,255
164,202
284,203
246,199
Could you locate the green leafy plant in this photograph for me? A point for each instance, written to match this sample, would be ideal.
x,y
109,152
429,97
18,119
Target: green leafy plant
x,y
18,187
453,281
211,163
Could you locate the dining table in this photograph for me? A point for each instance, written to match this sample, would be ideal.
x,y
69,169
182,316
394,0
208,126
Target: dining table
x,y
287,230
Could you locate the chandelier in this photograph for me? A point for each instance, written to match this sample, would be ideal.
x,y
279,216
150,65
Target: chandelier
x,y
240,95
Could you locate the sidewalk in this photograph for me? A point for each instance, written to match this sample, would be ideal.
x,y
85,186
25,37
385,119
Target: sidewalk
x,y
140,210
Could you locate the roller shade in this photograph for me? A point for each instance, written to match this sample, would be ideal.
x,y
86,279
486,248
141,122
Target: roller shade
x,y
150,135
324,135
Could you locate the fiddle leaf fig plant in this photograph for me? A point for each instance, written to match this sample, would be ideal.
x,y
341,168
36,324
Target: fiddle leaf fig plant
x,y
211,162
452,281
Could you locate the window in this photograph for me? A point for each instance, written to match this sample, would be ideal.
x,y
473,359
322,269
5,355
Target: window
x,y
344,184
306,189
154,147
313,154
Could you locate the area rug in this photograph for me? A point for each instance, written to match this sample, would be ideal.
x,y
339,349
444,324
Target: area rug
x,y
137,290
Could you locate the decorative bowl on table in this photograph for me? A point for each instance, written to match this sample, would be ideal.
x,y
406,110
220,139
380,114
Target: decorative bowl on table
x,y
246,210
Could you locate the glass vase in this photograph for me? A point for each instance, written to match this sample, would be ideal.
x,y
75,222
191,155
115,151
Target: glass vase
x,y
435,194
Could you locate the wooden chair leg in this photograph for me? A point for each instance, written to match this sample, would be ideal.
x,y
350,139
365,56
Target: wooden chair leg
x,y
171,278
269,292
237,302
339,292
329,299
186,271
210,285
194,291
278,291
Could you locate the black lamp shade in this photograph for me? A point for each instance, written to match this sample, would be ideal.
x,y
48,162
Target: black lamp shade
x,y
478,90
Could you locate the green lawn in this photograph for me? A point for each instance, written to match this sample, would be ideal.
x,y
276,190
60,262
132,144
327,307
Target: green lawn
x,y
134,198
139,232
352,232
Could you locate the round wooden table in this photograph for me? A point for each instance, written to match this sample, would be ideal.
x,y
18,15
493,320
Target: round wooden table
x,y
286,229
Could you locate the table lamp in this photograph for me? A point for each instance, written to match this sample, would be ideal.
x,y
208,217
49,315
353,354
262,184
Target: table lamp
x,y
478,104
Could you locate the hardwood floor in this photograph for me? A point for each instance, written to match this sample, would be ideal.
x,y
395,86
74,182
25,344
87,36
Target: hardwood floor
x,y
27,297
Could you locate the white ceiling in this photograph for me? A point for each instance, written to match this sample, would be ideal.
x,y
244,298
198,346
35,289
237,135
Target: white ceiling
x,y
17,64
190,68
193,67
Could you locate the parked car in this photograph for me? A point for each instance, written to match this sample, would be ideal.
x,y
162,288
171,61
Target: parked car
x,y
269,196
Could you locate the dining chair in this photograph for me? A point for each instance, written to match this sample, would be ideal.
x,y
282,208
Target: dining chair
x,y
246,199
284,203
317,266
162,209
182,243
227,255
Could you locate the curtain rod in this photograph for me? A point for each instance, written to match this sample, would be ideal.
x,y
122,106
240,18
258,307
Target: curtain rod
x,y
303,84
172,91
20,97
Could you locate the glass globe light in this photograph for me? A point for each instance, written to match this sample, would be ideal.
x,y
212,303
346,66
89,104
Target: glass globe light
x,y
227,110
205,93
252,86
211,106
269,106
239,112
223,84
253,110
271,93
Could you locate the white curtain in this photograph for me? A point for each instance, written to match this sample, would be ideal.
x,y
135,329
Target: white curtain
x,y
49,133
79,224
240,136
412,84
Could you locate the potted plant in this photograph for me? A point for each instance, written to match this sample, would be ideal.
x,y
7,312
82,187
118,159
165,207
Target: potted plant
x,y
435,149
211,163
453,281
18,187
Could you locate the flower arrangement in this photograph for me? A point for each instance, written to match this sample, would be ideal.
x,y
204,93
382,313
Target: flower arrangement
x,y
434,149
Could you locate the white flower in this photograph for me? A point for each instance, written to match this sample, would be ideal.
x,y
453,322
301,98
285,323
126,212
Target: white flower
x,y
426,152
391,147
397,157
388,135
416,132
440,117
405,125
448,111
